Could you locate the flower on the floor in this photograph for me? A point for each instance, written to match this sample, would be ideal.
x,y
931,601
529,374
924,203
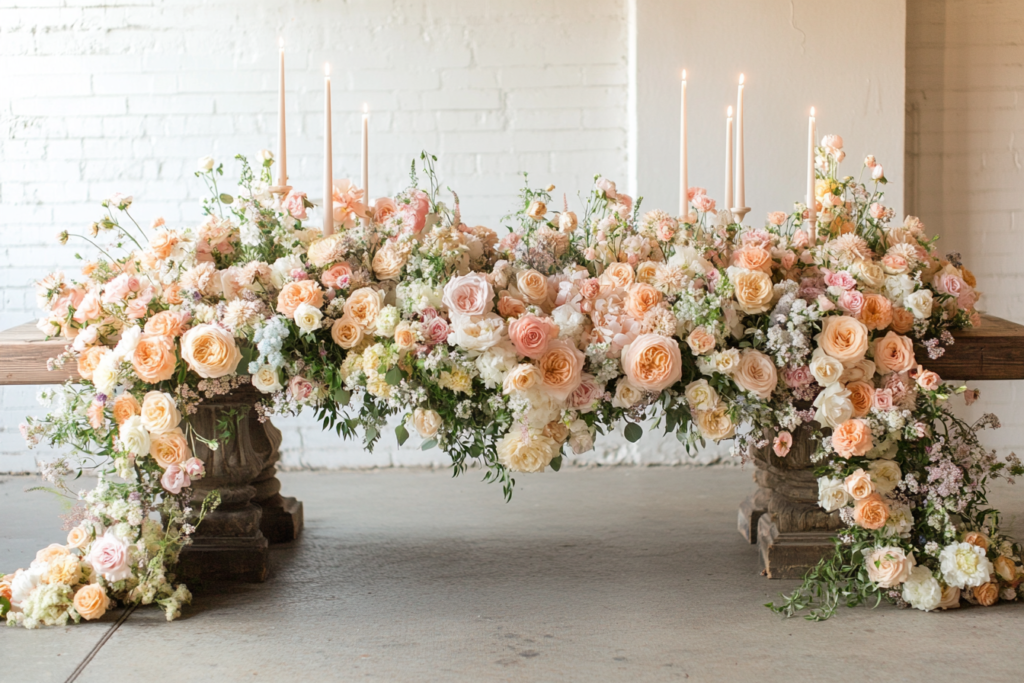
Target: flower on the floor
x,y
515,351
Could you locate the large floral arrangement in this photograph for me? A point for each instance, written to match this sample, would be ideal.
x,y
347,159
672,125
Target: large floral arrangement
x,y
514,351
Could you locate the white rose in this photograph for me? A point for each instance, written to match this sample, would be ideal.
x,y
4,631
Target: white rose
x,y
266,380
308,318
726,361
205,164
426,422
105,374
900,522
825,369
701,396
832,494
477,333
265,155
919,303
833,406
134,437
626,395
885,474
862,371
922,590
129,340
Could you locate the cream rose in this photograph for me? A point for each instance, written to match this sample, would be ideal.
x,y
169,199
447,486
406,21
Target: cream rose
x,y
531,452
170,448
701,396
919,303
159,412
894,353
843,338
468,295
652,362
91,601
859,485
619,275
346,333
533,286
405,336
521,378
885,474
753,288
756,373
363,307
388,262
133,436
426,422
266,380
888,566
626,395
833,406
825,369
832,494
210,351
307,318
715,424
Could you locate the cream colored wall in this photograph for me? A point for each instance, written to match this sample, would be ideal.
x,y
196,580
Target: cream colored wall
x,y
965,157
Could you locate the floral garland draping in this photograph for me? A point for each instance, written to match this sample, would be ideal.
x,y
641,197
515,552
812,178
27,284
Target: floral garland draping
x,y
514,352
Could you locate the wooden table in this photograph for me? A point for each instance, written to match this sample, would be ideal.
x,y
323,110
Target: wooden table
x,y
232,542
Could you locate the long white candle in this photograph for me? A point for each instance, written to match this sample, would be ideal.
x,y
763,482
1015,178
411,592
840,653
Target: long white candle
x,y
811,202
684,185
728,160
366,157
328,167
740,194
282,146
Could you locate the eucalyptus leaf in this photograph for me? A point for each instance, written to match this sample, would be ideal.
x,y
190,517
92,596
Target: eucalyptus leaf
x,y
402,433
225,198
428,444
633,432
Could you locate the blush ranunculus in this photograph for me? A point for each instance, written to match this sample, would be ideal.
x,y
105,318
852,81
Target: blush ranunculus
x,y
210,351
154,358
843,338
561,368
894,353
468,295
652,362
852,437
300,292
531,335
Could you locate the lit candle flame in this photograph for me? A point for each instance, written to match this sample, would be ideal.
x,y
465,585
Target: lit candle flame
x,y
812,111
729,114
741,79
366,108
684,74
327,70
280,43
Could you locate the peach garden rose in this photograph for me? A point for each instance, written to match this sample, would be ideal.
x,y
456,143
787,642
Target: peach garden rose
x,y
652,362
894,353
754,291
561,367
843,338
210,351
531,335
154,358
300,292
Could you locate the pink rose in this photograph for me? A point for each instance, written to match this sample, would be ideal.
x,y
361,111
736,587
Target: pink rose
x,y
338,276
693,192
895,264
436,330
89,308
586,395
606,187
788,260
300,388
851,301
468,295
295,204
421,207
928,380
704,203
877,211
108,556
384,208
877,173
777,217
783,442
840,279
174,479
531,335
799,240
194,468
947,283
882,400
797,377
665,230
118,289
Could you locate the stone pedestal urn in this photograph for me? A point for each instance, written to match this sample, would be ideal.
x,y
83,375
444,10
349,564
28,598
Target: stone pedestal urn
x,y
232,542
782,516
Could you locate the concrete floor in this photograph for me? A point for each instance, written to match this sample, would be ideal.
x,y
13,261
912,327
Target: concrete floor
x,y
616,574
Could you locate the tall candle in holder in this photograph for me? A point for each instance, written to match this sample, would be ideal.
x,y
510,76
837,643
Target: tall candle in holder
x,y
811,202
740,193
366,157
728,160
328,167
684,186
282,146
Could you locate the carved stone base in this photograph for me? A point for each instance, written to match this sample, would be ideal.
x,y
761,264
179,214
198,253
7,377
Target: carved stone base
x,y
783,517
230,544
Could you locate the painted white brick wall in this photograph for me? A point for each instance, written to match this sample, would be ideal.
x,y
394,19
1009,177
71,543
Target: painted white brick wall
x,y
125,96
965,158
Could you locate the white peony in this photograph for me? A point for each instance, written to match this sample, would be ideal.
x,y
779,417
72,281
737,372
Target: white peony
x,y
922,590
267,380
308,318
570,321
282,269
832,494
134,436
494,363
833,406
105,374
964,565
478,332
26,581
900,522
825,369
129,340
919,303
898,286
